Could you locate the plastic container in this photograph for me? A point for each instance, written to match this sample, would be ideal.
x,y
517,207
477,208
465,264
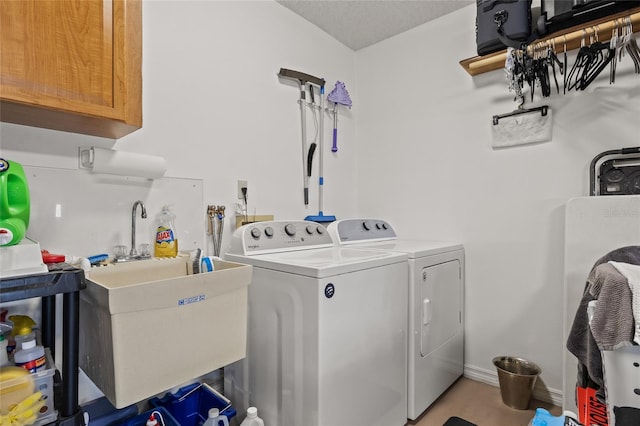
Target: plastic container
x,y
15,207
191,404
252,418
216,419
517,378
4,355
31,356
13,391
166,240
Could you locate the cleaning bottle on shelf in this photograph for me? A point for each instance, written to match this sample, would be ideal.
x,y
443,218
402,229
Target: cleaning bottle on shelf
x,y
166,240
15,204
4,356
252,418
30,357
216,419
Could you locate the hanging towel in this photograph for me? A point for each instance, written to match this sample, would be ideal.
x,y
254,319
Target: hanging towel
x,y
612,324
580,341
632,273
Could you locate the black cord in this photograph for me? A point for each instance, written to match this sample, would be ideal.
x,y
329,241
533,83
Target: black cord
x,y
246,205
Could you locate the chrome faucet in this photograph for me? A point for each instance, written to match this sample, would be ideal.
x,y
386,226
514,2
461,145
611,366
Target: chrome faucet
x,y
133,251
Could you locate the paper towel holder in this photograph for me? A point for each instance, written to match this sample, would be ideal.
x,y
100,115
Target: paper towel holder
x,y
122,163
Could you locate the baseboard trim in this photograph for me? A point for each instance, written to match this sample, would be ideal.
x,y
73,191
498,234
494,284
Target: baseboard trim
x,y
490,377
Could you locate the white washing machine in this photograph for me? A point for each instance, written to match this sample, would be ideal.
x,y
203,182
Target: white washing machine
x,y
436,297
327,329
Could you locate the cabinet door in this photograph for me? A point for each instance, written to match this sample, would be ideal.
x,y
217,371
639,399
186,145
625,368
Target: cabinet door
x,y
72,65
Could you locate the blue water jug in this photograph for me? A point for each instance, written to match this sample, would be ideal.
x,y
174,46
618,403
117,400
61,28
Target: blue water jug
x,y
15,207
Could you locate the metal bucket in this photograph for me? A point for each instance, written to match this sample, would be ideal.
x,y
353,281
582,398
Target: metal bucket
x,y
517,378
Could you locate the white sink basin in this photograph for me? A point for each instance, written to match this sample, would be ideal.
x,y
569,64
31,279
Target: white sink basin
x,y
146,326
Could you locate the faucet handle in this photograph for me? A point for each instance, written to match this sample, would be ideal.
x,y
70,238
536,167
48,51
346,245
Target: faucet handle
x,y
120,251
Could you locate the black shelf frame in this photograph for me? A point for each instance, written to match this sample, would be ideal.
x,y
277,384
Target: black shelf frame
x,y
68,281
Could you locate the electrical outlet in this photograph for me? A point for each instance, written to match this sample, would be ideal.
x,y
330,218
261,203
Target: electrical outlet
x,y
242,184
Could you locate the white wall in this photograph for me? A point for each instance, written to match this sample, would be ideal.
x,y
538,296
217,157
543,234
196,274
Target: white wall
x,y
215,109
425,163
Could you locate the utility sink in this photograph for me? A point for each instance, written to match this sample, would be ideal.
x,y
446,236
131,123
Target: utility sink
x,y
146,326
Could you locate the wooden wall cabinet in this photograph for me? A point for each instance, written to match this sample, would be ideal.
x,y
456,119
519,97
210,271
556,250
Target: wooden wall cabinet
x,y
72,65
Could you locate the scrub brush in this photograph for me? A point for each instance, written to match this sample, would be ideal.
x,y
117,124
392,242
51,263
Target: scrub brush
x,y
195,257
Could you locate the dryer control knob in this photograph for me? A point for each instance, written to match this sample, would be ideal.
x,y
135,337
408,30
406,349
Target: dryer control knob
x,y
309,229
290,229
255,233
268,231
320,229
366,226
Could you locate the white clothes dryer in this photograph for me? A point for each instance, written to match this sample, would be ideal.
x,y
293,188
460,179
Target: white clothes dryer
x,y
327,329
436,301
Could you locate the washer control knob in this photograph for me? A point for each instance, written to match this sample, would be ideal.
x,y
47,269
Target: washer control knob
x,y
268,231
366,226
309,229
378,226
255,233
384,226
290,229
320,229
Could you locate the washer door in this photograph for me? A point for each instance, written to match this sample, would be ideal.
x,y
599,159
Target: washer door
x,y
441,299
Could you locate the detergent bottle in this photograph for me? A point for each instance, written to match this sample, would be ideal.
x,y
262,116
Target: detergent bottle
x,y
31,356
166,240
216,419
252,418
14,203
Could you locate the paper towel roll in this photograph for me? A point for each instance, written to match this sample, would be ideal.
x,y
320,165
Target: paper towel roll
x,y
123,163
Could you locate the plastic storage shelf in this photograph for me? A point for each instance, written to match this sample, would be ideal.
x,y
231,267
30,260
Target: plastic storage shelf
x,y
68,281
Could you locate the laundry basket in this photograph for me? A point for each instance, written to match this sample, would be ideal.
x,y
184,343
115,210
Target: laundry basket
x,y
517,378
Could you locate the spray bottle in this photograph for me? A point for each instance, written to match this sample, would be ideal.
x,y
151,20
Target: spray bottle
x,y
166,240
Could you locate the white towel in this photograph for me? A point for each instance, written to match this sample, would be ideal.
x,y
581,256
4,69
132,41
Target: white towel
x,y
632,274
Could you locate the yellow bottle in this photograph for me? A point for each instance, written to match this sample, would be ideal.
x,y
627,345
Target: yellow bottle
x,y
166,241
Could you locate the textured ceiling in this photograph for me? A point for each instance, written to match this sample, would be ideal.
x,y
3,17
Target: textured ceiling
x,y
361,23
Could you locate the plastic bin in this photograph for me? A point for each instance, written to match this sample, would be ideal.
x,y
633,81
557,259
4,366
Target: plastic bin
x,y
103,413
191,404
517,377
13,391
141,419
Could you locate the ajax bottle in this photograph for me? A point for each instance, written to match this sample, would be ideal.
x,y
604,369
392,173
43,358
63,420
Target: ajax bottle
x,y
166,241
14,203
252,418
216,419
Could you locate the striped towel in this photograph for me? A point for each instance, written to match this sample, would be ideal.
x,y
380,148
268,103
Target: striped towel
x,y
632,274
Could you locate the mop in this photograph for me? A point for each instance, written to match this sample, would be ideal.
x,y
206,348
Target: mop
x,y
338,95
